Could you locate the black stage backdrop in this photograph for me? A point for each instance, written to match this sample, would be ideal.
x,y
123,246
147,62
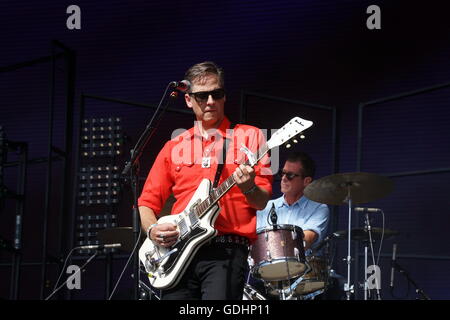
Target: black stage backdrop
x,y
388,91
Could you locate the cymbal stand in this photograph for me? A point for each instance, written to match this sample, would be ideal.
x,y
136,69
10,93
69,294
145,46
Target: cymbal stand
x,y
347,287
366,286
366,246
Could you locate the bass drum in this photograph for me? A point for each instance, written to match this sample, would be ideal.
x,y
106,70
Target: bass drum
x,y
251,294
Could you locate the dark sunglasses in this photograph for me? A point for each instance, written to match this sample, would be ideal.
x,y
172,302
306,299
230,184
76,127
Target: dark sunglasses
x,y
202,96
289,175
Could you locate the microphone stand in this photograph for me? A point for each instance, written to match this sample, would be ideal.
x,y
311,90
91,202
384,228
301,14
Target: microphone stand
x,y
132,168
420,292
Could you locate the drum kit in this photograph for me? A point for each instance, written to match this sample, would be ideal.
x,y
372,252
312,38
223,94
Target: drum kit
x,y
277,258
278,262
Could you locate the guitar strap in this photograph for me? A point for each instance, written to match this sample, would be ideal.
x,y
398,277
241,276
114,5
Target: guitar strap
x,y
221,164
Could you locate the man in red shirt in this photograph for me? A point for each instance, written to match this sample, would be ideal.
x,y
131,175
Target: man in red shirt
x,y
218,269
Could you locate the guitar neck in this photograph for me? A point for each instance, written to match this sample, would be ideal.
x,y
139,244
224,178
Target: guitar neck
x,y
216,194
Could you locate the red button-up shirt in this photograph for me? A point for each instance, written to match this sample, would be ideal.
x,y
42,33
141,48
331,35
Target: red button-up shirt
x,y
178,170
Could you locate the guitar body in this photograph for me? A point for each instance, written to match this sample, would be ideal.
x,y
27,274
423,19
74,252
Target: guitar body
x,y
194,232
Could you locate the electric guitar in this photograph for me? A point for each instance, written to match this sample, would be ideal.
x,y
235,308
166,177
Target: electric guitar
x,y
165,266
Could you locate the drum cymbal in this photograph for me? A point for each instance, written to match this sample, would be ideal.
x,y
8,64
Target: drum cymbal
x,y
122,235
363,234
363,187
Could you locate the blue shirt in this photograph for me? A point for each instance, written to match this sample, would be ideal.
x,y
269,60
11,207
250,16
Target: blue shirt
x,y
305,213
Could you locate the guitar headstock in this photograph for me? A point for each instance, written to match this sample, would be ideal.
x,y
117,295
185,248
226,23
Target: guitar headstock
x,y
290,130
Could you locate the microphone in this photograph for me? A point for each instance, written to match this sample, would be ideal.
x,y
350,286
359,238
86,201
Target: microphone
x,y
394,252
183,85
101,246
273,215
361,209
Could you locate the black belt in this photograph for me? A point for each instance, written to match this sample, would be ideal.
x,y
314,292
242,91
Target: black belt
x,y
231,238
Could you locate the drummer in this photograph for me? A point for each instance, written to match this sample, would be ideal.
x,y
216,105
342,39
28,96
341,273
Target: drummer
x,y
293,208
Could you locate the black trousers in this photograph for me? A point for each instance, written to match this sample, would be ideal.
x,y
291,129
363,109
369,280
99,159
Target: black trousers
x,y
217,272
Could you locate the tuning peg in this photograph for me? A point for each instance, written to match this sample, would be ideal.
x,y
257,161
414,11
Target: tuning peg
x,y
288,145
294,140
302,136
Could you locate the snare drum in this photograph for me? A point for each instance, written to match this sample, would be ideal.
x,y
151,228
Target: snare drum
x,y
278,253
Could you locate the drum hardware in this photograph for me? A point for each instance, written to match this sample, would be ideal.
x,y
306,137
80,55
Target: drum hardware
x,y
363,234
281,250
283,244
350,188
281,293
251,294
251,263
281,289
290,290
318,276
273,215
311,296
333,190
297,253
360,234
314,280
366,245
294,285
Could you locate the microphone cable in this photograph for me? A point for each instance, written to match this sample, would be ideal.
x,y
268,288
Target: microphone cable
x,y
382,238
79,269
63,268
379,252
